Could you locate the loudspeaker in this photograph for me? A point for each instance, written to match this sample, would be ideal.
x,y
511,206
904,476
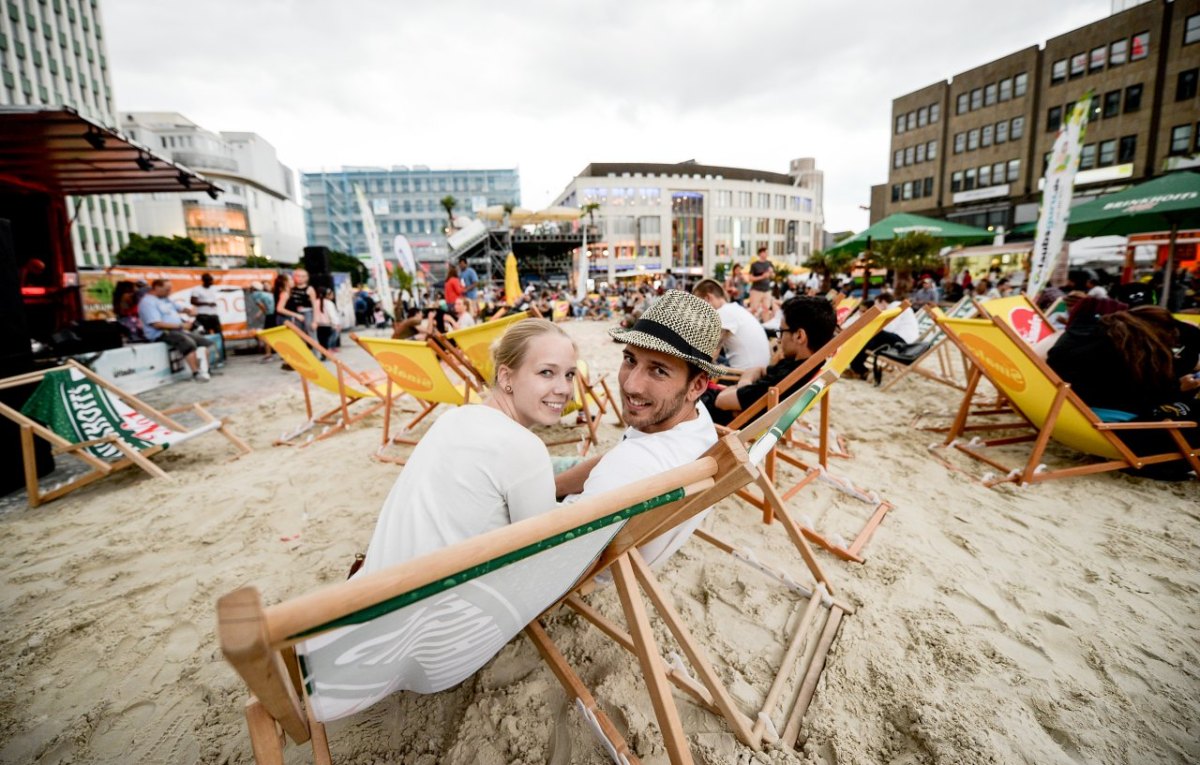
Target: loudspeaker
x,y
316,260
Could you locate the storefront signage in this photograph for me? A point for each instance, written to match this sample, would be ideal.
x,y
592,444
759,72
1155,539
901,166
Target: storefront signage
x,y
974,195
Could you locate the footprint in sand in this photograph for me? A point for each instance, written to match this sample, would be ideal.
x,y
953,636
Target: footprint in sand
x,y
115,733
182,641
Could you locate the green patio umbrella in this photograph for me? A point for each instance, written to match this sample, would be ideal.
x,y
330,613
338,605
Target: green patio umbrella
x,y
1166,203
899,224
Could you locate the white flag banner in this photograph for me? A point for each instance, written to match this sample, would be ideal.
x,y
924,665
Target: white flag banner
x,y
404,254
375,247
1057,191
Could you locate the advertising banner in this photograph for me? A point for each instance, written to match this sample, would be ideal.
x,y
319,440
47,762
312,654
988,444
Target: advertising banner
x,y
378,266
97,289
1058,188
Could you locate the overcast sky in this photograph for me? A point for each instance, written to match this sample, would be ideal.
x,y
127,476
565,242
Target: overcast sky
x,y
553,85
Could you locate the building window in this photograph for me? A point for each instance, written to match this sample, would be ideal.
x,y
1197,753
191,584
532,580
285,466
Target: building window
x,y
1108,153
1078,65
985,136
1058,72
931,150
1054,119
1018,128
912,120
895,192
1185,86
1014,170
1112,103
906,191
899,124
1127,149
973,139
998,173
969,179
923,116
1094,110
1096,59
764,202
961,107
724,198
985,176
781,201
929,186
1191,30
1087,156
1002,131
1020,84
989,94
956,181
935,112
745,199
898,158
1140,48
960,143
976,99
908,155
920,153
1133,98
1006,89
1181,139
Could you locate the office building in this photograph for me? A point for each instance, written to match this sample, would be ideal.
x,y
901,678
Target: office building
x,y
973,149
258,214
689,217
403,201
52,54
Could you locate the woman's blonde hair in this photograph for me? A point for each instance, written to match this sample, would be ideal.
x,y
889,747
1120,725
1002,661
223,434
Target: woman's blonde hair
x,y
512,347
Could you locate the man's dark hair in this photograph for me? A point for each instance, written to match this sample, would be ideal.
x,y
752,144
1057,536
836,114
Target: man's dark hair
x,y
885,297
463,261
814,315
158,283
709,287
206,279
762,249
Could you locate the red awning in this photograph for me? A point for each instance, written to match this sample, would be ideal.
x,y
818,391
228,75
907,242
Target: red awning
x,y
54,149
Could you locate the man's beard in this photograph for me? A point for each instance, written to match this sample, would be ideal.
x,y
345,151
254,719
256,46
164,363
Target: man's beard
x,y
658,414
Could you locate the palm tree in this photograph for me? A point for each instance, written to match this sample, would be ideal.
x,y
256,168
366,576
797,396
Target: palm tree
x,y
590,210
448,203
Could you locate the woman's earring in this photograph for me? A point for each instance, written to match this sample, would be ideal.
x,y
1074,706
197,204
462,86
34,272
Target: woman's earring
x,y
508,389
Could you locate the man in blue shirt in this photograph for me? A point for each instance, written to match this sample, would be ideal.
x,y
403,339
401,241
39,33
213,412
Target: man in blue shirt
x,y
469,279
161,320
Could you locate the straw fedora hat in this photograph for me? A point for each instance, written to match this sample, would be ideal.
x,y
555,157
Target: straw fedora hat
x,y
680,325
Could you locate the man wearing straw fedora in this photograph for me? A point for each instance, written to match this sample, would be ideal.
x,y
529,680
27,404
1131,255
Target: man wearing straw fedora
x,y
667,364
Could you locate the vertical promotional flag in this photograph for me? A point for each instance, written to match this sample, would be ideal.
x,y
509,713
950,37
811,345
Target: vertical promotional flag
x,y
378,266
1057,191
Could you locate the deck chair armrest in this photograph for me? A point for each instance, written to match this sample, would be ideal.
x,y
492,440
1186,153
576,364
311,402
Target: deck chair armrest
x,y
1164,425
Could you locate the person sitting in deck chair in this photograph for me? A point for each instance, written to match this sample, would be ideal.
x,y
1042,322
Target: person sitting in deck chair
x,y
898,333
666,367
808,323
502,472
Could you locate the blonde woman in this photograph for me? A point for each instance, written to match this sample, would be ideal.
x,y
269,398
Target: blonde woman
x,y
479,467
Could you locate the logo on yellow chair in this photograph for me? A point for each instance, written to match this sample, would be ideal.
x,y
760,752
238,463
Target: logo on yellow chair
x,y
404,370
305,364
995,360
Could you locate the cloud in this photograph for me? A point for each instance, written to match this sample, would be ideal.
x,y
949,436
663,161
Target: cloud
x,y
551,86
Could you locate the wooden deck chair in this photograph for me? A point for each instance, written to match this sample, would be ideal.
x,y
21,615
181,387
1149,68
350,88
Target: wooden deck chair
x,y
416,368
429,623
846,308
1190,318
834,359
1019,313
85,416
1049,407
471,346
936,362
354,390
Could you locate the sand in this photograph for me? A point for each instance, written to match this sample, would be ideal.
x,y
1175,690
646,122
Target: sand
x,y
1052,624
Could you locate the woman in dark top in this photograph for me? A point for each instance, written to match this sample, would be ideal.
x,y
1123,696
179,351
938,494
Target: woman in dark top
x,y
299,301
1139,364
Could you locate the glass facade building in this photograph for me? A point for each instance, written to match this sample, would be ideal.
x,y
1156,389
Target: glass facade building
x,y
403,200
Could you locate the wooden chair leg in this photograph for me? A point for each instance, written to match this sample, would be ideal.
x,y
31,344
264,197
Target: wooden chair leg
x,y
29,456
265,736
656,680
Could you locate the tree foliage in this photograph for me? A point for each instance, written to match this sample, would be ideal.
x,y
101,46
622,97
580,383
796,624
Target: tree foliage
x,y
908,254
260,261
161,251
828,264
340,261
448,204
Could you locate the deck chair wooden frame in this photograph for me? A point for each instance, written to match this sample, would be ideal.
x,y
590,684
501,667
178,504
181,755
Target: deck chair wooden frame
x,y
943,371
470,346
260,642
355,390
753,421
132,457
1001,355
437,387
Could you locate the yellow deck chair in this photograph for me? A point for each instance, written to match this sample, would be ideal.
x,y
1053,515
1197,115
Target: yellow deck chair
x,y
752,424
471,346
354,390
1190,318
1049,406
81,414
415,367
429,623
845,308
